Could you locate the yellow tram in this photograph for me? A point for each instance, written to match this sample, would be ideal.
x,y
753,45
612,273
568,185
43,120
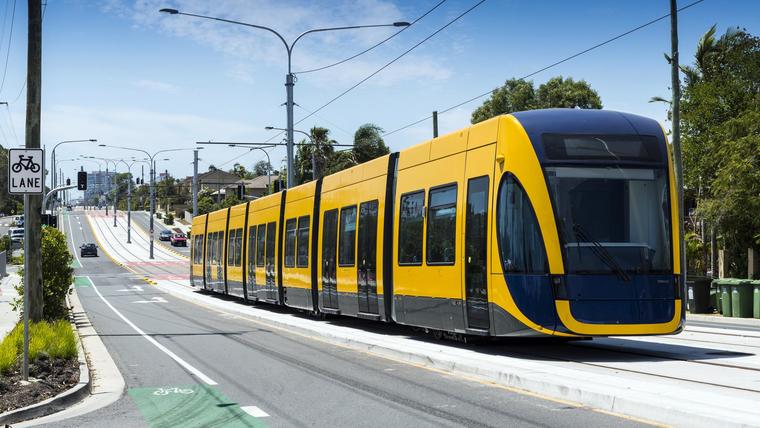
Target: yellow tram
x,y
547,222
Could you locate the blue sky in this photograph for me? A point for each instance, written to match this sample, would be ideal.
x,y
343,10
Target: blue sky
x,y
121,72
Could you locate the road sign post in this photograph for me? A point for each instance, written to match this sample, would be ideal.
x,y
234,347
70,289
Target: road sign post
x,y
26,175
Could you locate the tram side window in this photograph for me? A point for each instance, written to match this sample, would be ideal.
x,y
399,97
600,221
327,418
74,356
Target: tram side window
x,y
442,225
303,241
211,248
220,247
347,238
198,249
411,221
238,247
270,242
231,247
251,245
521,246
260,241
290,243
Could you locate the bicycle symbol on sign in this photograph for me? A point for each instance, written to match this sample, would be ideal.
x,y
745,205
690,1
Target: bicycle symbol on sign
x,y
26,163
174,390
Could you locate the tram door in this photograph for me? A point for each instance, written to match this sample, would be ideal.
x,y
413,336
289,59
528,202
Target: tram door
x,y
367,257
271,281
329,260
476,232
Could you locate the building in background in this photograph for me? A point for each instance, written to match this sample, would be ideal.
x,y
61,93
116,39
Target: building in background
x,y
98,184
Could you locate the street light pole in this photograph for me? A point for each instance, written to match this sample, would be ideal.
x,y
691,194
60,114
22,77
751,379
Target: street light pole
x,y
290,77
152,160
53,180
195,183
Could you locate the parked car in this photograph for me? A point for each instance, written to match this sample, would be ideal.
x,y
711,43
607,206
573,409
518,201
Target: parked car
x,y
179,240
88,249
165,235
16,234
18,221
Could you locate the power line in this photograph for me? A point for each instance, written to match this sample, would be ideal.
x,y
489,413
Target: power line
x,y
392,61
10,120
8,54
554,64
375,45
23,85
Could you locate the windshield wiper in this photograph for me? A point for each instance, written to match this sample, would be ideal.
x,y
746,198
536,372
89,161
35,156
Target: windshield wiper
x,y
601,252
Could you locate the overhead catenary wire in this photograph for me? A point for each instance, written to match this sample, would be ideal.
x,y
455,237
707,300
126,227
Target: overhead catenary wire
x,y
8,52
23,85
388,64
375,45
554,64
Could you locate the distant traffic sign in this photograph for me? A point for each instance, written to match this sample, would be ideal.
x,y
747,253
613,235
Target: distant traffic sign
x,y
26,172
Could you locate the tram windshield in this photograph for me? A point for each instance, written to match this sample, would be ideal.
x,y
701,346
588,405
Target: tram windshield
x,y
612,220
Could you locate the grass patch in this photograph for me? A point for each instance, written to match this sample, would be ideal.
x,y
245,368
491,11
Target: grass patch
x,y
53,339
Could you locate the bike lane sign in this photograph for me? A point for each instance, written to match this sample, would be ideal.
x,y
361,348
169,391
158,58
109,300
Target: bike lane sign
x,y
26,171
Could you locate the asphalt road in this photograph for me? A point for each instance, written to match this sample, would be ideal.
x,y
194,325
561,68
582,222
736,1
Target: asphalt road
x,y
142,219
188,365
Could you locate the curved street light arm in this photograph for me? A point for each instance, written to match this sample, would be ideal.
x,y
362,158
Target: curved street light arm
x,y
245,24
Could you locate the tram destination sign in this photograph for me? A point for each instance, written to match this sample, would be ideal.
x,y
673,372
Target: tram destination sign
x,y
26,171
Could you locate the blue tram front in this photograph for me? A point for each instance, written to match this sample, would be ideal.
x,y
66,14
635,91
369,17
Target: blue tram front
x,y
586,224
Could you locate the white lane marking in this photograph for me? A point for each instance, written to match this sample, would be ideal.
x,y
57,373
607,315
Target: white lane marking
x,y
74,247
153,300
153,341
133,288
254,411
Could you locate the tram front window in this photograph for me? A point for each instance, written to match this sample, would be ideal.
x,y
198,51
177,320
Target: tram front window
x,y
612,220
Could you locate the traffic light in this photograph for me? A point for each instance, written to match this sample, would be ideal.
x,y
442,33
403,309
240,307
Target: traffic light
x,y
241,191
68,182
81,180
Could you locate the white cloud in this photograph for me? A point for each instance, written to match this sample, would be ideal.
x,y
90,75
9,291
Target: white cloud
x,y
253,47
154,85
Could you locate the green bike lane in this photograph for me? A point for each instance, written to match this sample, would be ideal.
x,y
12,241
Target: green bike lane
x,y
188,365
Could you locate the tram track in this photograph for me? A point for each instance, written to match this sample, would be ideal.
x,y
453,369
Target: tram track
x,y
143,271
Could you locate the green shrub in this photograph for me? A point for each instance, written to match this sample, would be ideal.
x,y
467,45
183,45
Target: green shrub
x,y
158,215
169,219
5,244
57,275
53,339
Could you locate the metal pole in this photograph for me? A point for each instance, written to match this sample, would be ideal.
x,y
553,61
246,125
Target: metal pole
x,y
152,200
27,212
289,105
129,207
676,85
32,223
195,183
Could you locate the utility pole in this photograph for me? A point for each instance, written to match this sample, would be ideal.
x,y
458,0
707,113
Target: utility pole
x,y
195,183
152,201
676,85
32,234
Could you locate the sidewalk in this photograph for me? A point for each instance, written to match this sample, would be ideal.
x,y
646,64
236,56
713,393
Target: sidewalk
x,y
8,318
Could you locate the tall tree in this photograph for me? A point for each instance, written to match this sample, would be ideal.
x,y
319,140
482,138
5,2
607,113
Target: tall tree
x,y
520,95
262,168
720,134
368,143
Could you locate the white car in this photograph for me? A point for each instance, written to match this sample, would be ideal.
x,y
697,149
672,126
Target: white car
x,y
16,234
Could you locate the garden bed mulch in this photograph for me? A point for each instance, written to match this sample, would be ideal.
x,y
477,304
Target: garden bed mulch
x,y
47,378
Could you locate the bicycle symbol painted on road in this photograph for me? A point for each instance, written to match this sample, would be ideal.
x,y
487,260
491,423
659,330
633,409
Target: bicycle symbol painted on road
x,y
26,163
174,390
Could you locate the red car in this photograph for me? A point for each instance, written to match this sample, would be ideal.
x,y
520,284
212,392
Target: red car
x,y
178,240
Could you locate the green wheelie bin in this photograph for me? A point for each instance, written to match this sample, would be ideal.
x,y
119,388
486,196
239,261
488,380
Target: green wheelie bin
x,y
724,289
756,298
741,298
